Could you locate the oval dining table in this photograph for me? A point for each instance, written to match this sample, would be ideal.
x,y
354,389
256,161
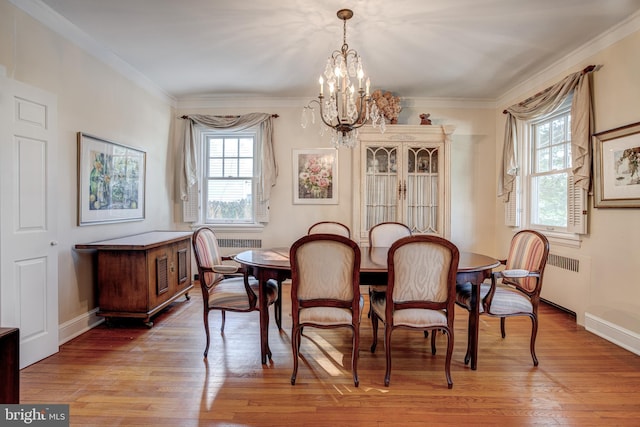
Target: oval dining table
x,y
267,264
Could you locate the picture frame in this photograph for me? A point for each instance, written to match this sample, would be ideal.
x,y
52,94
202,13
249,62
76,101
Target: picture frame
x,y
111,181
617,167
315,176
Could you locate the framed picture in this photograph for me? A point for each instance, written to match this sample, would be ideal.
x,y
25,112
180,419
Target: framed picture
x,y
111,181
617,167
315,176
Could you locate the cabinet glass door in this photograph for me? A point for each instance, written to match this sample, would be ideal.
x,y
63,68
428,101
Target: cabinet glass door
x,y
381,185
420,190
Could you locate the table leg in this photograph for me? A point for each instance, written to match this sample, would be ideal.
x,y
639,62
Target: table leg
x,y
474,325
265,351
475,278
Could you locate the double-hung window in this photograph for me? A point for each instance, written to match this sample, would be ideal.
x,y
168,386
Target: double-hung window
x,y
550,171
546,198
230,178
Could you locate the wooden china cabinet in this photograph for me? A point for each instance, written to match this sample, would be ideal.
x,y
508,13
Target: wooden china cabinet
x,y
403,175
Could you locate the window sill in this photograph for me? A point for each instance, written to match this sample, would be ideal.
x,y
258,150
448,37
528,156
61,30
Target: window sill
x,y
232,228
569,240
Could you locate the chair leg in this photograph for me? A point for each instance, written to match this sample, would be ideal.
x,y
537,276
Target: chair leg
x,y
224,318
502,329
433,340
447,363
374,327
206,331
278,307
534,333
355,353
295,347
387,351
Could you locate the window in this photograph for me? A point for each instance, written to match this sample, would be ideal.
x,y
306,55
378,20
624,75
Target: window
x,y
550,171
545,198
230,177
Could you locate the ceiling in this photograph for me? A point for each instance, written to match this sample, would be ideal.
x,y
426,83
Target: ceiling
x,y
467,49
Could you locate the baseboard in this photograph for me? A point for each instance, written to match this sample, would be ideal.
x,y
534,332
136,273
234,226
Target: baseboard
x,y
81,324
616,334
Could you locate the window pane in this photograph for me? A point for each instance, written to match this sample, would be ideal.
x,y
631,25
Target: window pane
x,y
215,168
558,131
230,168
550,200
246,147
245,167
542,135
558,157
215,147
542,161
231,147
229,200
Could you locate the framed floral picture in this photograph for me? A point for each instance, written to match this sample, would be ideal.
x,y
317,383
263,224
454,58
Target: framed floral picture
x,y
315,176
617,167
111,181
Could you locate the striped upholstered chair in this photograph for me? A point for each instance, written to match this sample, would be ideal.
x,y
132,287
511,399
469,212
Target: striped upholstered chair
x,y
514,291
225,287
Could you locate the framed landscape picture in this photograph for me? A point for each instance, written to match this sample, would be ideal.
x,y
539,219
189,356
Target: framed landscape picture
x,y
111,181
617,167
315,176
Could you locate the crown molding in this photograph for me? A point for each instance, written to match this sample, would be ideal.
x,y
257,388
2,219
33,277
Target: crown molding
x,y
56,22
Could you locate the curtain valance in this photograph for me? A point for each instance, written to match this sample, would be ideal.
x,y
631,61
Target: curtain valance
x,y
187,167
543,103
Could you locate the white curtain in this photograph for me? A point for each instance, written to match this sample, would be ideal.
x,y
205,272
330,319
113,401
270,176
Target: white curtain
x,y
545,103
187,164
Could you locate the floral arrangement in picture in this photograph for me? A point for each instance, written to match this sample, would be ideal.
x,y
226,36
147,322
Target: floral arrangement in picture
x,y
315,176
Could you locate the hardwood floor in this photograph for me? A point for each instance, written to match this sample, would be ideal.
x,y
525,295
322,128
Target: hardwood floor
x,y
129,375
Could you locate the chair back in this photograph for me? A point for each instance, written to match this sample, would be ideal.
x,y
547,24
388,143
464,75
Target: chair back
x,y
422,274
529,251
386,233
207,252
325,270
330,227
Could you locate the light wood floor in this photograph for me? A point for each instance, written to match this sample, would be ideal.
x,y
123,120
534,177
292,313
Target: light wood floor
x,y
129,375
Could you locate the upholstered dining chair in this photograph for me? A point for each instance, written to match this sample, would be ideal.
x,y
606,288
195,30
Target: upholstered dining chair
x,y
325,290
514,291
330,227
420,294
225,287
384,235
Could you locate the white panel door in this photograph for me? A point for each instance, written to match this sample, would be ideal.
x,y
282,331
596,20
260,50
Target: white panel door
x,y
28,252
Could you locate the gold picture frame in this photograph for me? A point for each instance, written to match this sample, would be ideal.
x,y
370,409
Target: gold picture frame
x,y
617,167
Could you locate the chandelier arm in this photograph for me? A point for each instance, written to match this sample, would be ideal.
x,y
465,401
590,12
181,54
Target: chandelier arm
x,y
319,102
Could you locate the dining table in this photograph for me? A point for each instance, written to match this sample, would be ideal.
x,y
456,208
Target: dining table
x,y
274,264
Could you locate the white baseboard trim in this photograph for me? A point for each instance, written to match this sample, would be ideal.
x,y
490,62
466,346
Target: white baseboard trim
x,y
618,335
81,324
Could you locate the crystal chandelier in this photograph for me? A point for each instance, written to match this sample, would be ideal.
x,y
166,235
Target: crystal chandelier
x,y
346,108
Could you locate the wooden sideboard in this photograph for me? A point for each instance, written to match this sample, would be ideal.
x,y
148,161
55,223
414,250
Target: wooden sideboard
x,y
9,365
139,275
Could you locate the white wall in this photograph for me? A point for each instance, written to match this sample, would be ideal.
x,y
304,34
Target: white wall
x,y
472,186
612,291
95,99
